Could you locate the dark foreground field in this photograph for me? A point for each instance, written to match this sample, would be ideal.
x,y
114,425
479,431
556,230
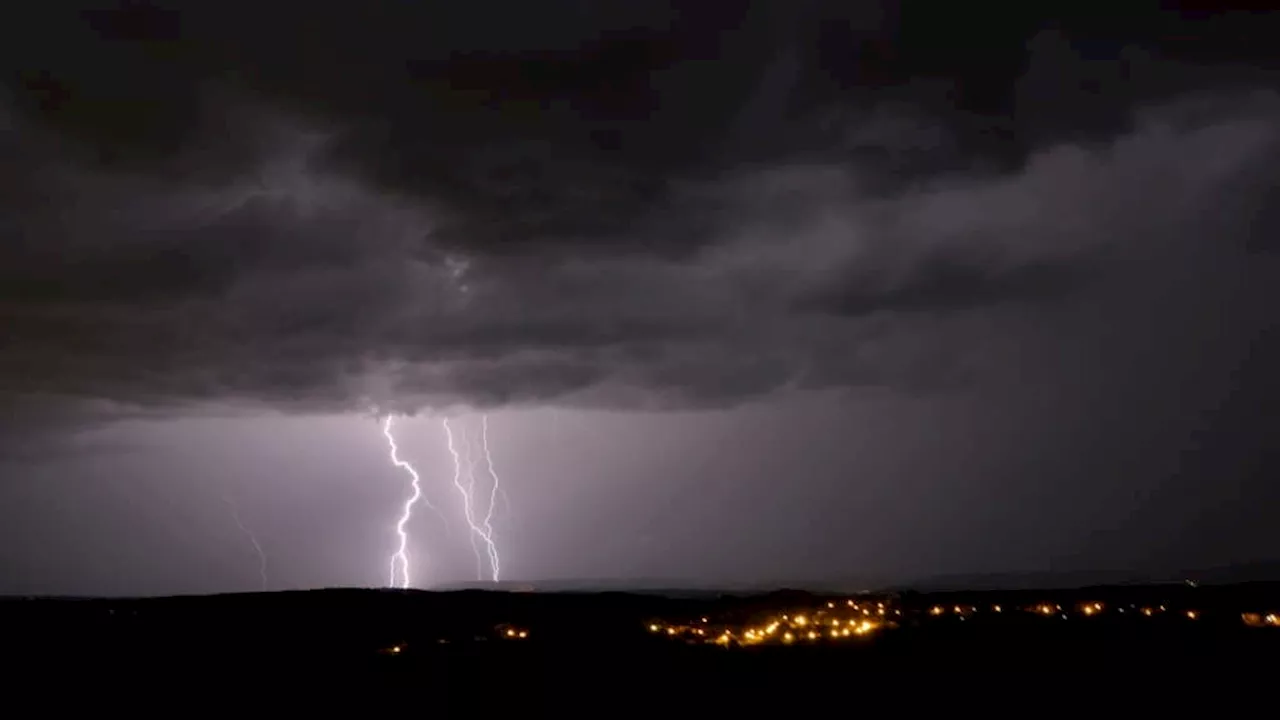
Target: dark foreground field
x,y
468,651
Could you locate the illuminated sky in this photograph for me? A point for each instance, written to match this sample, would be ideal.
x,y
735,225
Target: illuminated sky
x,y
791,293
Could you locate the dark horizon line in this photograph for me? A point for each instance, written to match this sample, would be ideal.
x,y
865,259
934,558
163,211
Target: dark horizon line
x,y
1006,582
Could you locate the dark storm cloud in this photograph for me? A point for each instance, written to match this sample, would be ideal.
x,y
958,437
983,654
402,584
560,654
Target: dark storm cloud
x,y
409,204
956,282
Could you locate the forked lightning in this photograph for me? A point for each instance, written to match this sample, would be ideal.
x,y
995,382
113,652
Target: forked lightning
x,y
481,530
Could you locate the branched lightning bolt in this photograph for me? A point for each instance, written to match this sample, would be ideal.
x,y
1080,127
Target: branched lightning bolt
x,y
262,556
480,530
400,558
495,489
469,443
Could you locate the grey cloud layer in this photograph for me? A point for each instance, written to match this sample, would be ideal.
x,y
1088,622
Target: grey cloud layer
x,y
256,242
171,293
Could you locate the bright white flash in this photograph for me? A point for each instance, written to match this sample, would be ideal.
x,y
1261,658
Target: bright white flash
x,y
400,559
494,561
262,556
469,461
482,529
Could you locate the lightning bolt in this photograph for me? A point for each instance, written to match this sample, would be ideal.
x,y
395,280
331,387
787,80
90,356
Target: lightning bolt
x,y
495,489
262,556
480,530
469,443
400,559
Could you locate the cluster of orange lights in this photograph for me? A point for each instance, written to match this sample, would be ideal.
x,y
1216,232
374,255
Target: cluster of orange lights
x,y
848,620
504,632
852,619
961,610
856,620
1254,619
1092,609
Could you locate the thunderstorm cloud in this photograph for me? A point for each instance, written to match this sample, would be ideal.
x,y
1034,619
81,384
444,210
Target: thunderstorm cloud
x,y
412,205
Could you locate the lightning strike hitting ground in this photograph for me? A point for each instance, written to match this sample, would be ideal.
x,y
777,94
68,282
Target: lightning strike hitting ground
x,y
400,558
495,489
468,442
262,556
466,490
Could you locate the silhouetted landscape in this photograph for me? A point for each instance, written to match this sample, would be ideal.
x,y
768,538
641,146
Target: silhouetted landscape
x,y
539,646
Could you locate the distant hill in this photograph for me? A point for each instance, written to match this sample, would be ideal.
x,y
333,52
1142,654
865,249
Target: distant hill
x,y
1243,573
670,588
666,587
1268,571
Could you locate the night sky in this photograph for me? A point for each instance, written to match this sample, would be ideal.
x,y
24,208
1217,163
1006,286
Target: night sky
x,y
749,292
